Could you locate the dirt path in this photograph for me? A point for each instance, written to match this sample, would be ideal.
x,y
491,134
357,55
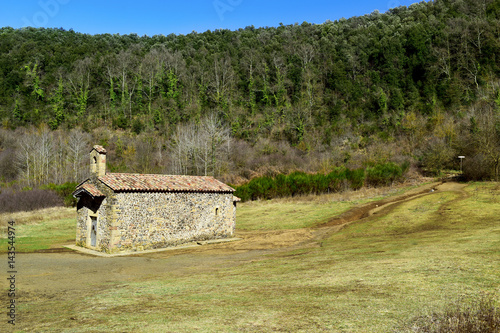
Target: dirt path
x,y
47,275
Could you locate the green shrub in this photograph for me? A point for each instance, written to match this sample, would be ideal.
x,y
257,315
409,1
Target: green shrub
x,y
300,183
282,186
64,191
243,192
137,126
383,174
121,122
320,183
262,188
337,179
356,178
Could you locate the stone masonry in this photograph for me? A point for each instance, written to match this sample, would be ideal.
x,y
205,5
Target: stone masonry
x,y
124,212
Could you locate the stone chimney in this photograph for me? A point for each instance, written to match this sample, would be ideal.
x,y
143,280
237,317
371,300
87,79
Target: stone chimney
x,y
98,161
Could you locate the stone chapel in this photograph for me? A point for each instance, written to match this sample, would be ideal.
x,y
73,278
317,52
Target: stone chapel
x,y
118,212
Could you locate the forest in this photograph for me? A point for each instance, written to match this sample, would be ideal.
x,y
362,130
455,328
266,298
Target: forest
x,y
415,86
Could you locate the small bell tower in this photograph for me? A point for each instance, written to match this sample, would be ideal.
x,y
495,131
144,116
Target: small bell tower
x,y
98,161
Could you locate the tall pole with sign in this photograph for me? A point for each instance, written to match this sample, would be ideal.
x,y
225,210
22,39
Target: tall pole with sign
x,y
461,162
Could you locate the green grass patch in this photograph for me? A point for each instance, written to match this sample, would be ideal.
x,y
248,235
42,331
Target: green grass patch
x,y
41,236
302,212
417,215
276,215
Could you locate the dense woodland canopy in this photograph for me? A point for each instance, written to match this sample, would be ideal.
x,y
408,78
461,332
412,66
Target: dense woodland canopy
x,y
418,84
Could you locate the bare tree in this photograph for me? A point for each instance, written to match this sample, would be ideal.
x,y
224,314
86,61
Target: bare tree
x,y
25,158
215,144
151,71
443,56
59,173
78,144
36,156
223,77
109,63
306,53
201,149
280,93
128,65
182,147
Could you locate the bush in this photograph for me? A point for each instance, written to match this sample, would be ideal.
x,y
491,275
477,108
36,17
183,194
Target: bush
x,y
477,168
11,202
300,183
383,174
320,183
356,178
64,191
437,155
121,122
282,186
262,188
470,316
137,126
243,192
337,179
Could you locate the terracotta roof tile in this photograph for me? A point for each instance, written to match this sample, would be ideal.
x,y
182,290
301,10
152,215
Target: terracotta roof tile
x,y
168,183
89,188
99,149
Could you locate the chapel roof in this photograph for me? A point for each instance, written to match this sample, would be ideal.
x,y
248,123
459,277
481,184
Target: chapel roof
x,y
162,183
99,149
89,188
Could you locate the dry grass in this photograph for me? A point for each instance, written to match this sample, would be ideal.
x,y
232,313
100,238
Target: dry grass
x,y
466,315
33,217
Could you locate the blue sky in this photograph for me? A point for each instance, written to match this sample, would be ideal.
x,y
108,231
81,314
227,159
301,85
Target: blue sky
x,y
154,17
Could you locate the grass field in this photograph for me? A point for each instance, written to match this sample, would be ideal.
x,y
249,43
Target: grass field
x,y
304,211
40,230
374,275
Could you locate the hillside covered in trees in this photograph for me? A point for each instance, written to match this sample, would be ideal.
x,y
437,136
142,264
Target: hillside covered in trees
x,y
418,85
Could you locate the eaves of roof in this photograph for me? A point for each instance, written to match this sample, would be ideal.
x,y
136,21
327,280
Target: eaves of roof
x,y
89,189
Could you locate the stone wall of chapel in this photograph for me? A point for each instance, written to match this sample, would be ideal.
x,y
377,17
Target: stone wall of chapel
x,y
103,227
81,225
148,220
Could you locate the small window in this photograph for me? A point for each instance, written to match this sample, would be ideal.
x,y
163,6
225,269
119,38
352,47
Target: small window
x,y
217,211
94,164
